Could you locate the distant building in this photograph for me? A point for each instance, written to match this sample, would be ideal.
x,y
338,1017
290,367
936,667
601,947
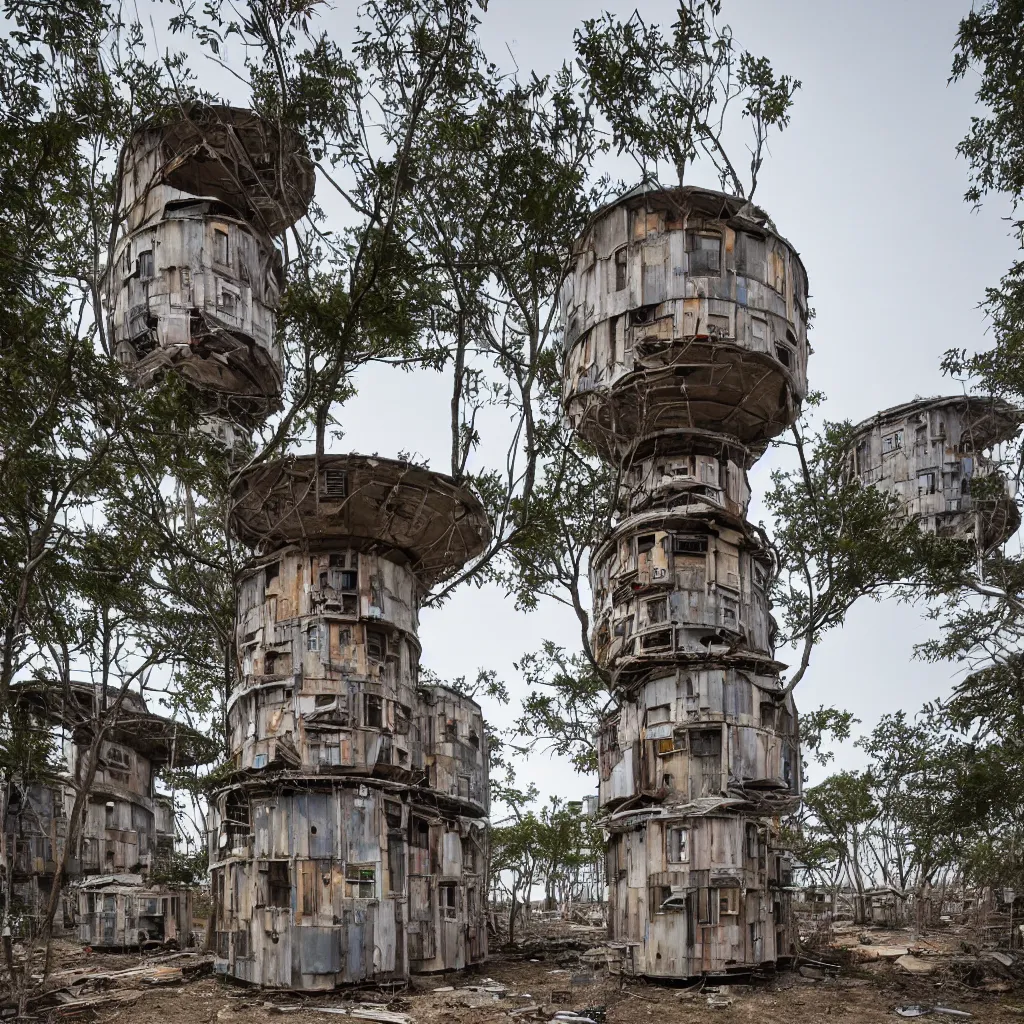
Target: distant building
x,y
936,456
128,827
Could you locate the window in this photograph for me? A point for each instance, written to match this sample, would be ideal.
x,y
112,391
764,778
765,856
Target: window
x,y
644,543
270,659
659,714
327,753
420,834
375,646
677,847
279,884
450,729
620,269
705,253
220,247
751,841
673,744
228,300
271,573
110,820
447,897
750,256
373,707
335,483
657,610
707,906
785,356
759,332
349,579
690,544
925,483
729,901
403,717
361,881
313,640
145,264
767,714
119,756
706,743
658,640
469,856
892,442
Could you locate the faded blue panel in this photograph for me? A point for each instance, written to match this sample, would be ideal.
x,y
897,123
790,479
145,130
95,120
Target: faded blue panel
x,y
359,944
319,950
741,290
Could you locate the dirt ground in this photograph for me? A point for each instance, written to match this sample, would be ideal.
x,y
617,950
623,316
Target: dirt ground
x,y
860,992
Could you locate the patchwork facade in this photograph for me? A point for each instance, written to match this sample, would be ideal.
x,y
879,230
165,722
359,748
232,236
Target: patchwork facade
x,y
128,828
938,456
686,351
351,844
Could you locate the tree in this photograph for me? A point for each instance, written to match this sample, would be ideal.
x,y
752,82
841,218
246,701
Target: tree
x,y
666,95
835,540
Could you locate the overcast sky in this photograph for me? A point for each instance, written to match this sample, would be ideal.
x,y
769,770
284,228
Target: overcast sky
x,y
867,185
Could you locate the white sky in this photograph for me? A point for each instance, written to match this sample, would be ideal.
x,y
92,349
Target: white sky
x,y
866,184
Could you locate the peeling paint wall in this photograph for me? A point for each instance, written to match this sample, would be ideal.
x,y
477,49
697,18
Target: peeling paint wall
x,y
686,320
930,453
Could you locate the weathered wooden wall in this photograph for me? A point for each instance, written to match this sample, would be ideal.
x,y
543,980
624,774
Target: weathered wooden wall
x,y
683,292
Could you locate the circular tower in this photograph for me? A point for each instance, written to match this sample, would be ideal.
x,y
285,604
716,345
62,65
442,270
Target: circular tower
x,y
194,272
939,457
350,844
686,351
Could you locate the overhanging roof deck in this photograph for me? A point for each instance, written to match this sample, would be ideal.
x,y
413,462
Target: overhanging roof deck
x,y
261,169
420,518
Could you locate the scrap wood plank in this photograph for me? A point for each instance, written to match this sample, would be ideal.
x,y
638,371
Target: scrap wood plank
x,y
365,1013
123,996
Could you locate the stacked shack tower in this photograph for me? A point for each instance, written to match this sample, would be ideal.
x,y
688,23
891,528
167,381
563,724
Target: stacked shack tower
x,y
686,351
350,840
194,275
